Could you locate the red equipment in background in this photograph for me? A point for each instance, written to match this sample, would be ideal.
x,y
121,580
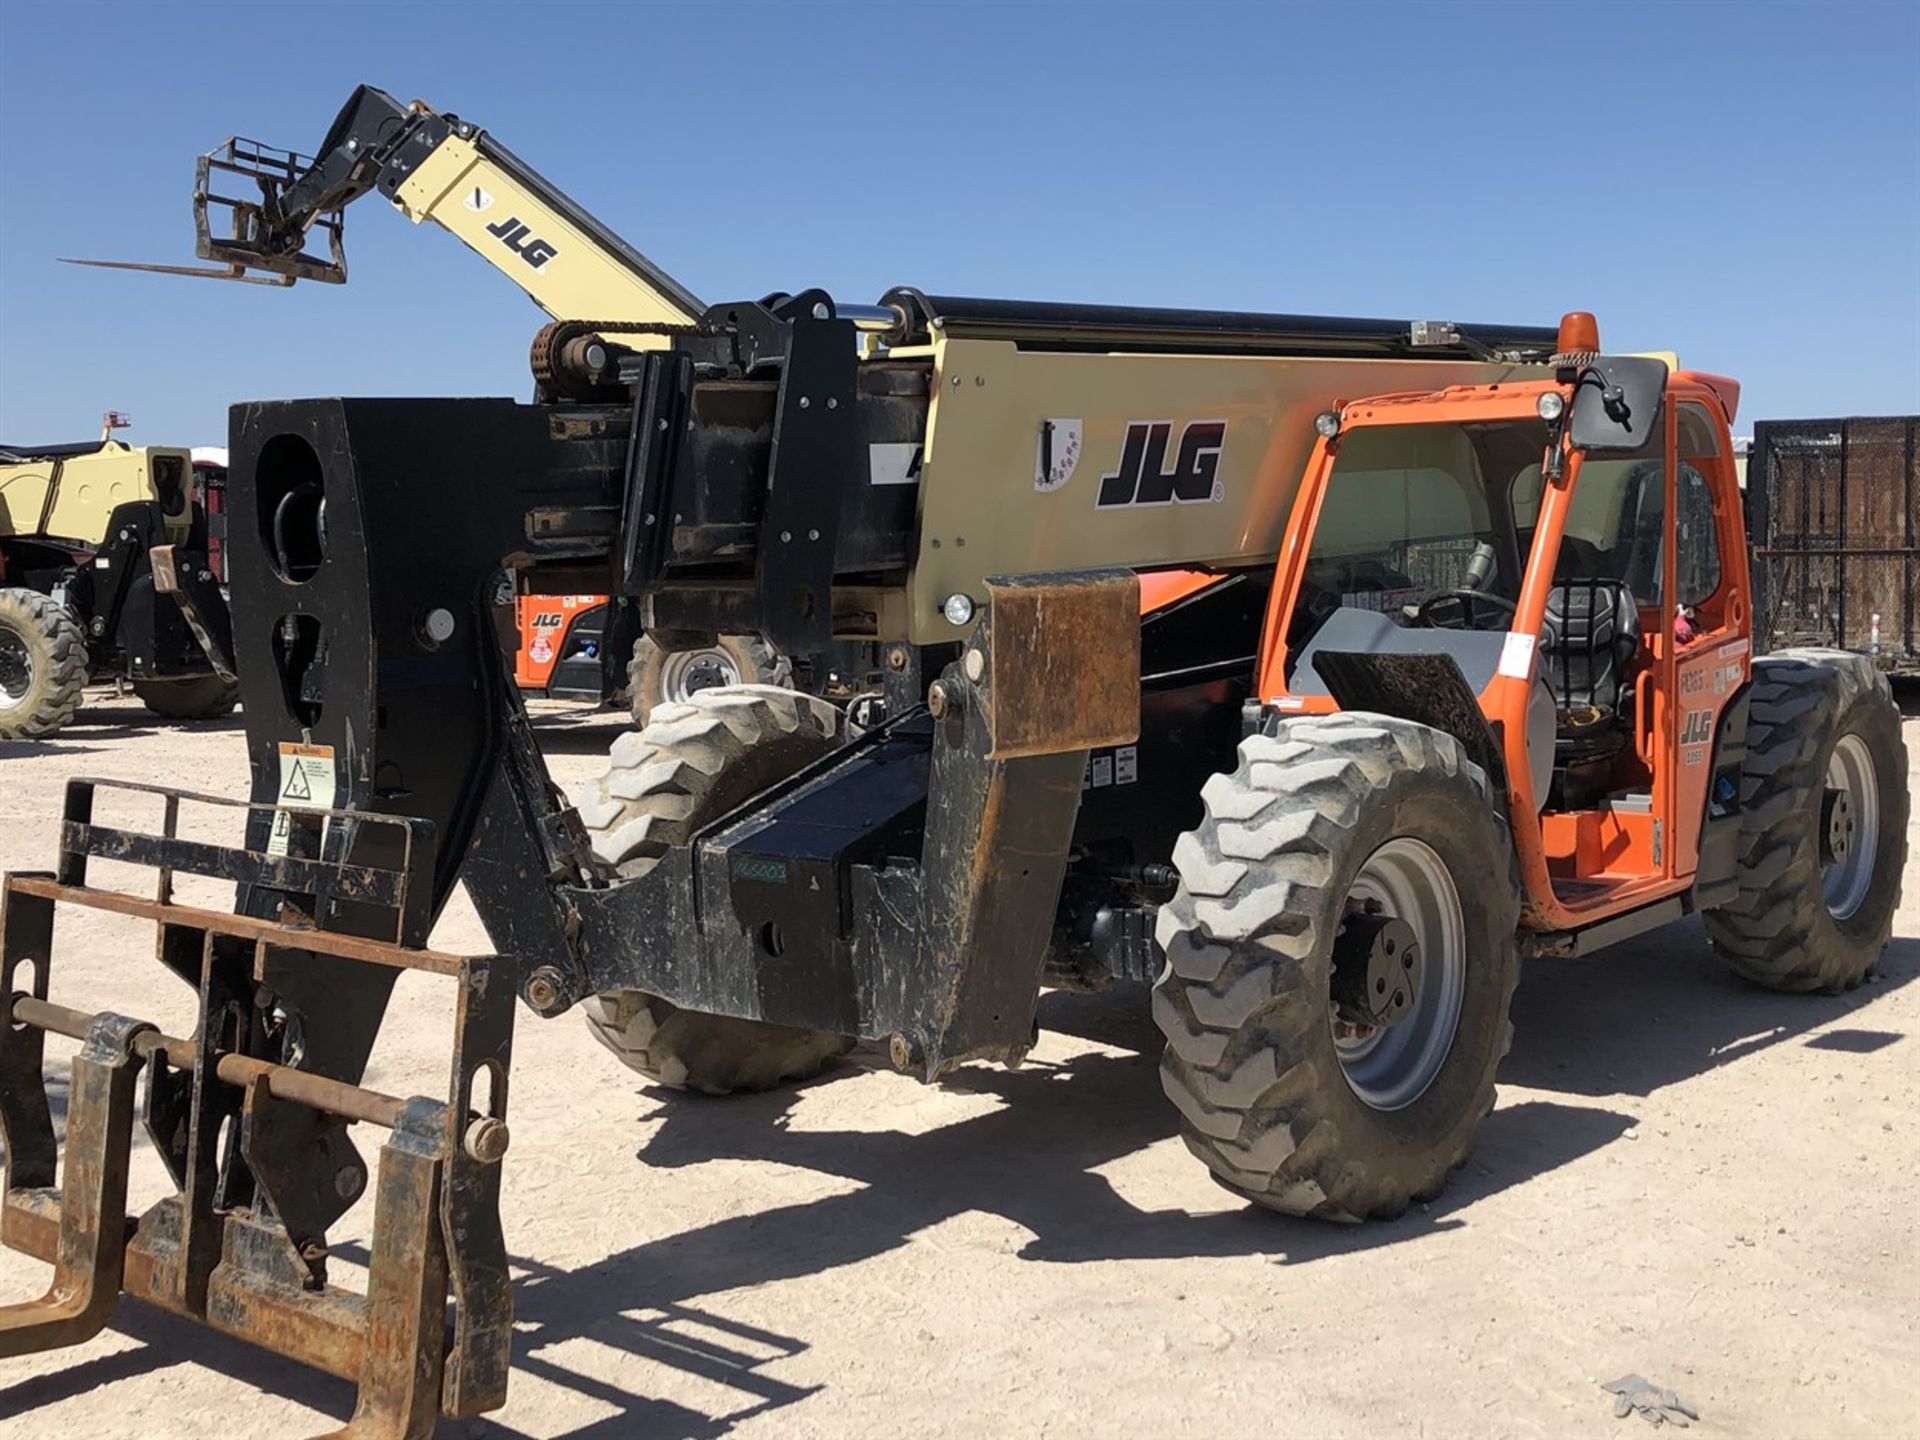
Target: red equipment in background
x,y
559,651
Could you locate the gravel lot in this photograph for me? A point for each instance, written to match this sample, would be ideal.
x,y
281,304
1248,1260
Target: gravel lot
x,y
1713,1186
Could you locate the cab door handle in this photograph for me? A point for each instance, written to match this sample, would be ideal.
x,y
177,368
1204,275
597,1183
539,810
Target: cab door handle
x,y
1643,716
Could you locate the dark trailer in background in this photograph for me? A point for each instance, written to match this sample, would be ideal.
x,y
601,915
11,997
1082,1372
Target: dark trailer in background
x,y
1831,509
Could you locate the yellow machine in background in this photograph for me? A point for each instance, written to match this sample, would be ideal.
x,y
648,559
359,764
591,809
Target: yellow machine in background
x,y
104,574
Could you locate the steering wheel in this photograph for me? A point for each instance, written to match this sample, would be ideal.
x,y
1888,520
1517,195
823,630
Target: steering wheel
x,y
1463,600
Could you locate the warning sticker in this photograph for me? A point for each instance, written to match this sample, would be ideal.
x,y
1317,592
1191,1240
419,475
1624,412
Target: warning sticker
x,y
306,783
478,199
1057,453
1516,655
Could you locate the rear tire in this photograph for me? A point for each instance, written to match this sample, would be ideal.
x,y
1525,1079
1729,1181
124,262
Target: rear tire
x,y
692,762
1807,917
43,665
204,697
1329,820
657,676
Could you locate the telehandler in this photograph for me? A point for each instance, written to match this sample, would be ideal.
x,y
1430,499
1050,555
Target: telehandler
x,y
105,575
438,169
1314,670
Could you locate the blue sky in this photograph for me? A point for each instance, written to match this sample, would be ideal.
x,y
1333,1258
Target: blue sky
x,y
1737,182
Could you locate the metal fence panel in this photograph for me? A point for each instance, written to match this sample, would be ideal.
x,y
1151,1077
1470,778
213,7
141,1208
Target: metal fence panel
x,y
1831,513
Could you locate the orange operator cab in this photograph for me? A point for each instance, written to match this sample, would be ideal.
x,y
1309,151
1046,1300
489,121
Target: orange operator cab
x,y
1566,556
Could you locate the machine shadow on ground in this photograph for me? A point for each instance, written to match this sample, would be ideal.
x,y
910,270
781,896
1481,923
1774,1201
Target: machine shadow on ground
x,y
579,730
94,731
551,1307
1623,1024
1636,1018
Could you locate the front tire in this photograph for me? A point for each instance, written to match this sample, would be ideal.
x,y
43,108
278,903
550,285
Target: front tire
x,y
43,665
693,762
1299,1084
1823,827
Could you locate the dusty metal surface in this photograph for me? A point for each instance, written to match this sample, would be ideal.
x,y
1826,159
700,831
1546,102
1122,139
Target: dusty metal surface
x,y
240,927
197,593
249,1115
89,1242
1065,664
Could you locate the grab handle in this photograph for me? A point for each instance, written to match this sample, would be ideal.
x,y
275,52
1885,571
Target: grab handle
x,y
1643,716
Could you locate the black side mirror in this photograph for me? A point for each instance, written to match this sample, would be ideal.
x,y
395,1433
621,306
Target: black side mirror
x,y
1616,403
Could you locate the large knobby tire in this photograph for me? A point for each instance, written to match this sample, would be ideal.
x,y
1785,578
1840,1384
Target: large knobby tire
x,y
203,697
1329,821
693,762
43,665
657,676
1819,875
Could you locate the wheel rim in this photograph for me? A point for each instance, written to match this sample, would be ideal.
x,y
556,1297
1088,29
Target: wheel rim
x,y
16,669
1391,1066
687,672
1851,814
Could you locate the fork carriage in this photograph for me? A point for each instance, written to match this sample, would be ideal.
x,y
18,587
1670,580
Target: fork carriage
x,y
240,1244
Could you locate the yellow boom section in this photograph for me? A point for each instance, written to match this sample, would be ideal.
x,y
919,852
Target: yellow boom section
x,y
571,273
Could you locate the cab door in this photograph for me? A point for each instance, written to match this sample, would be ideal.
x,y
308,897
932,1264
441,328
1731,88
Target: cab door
x,y
1707,623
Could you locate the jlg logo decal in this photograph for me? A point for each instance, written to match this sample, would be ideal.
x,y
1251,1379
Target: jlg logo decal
x,y
1696,731
515,235
1140,478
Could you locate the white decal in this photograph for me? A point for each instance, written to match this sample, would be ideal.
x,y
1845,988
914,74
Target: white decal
x,y
477,200
891,462
1126,765
306,783
1055,454
1516,655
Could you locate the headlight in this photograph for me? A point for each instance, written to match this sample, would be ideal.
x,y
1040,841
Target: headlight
x,y
1551,405
1327,424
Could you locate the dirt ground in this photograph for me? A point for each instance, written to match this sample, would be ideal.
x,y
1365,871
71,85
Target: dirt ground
x,y
1686,1177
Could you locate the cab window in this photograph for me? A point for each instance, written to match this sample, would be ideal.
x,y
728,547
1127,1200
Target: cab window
x,y
1696,533
1696,545
1616,519
1403,518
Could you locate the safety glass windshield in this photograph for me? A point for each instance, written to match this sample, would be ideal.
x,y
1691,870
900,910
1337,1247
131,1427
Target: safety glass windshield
x,y
1416,525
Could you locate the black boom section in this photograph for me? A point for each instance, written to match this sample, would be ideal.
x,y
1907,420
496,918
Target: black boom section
x,y
1150,328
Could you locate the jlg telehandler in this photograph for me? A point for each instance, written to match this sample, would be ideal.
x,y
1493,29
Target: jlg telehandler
x,y
1316,670
438,169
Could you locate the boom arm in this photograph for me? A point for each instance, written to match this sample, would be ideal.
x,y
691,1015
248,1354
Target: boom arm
x,y
432,167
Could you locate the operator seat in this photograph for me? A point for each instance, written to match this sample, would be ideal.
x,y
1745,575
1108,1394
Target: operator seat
x,y
1587,647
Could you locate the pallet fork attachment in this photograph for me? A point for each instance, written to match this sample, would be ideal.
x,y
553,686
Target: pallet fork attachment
x,y
257,248
236,1246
